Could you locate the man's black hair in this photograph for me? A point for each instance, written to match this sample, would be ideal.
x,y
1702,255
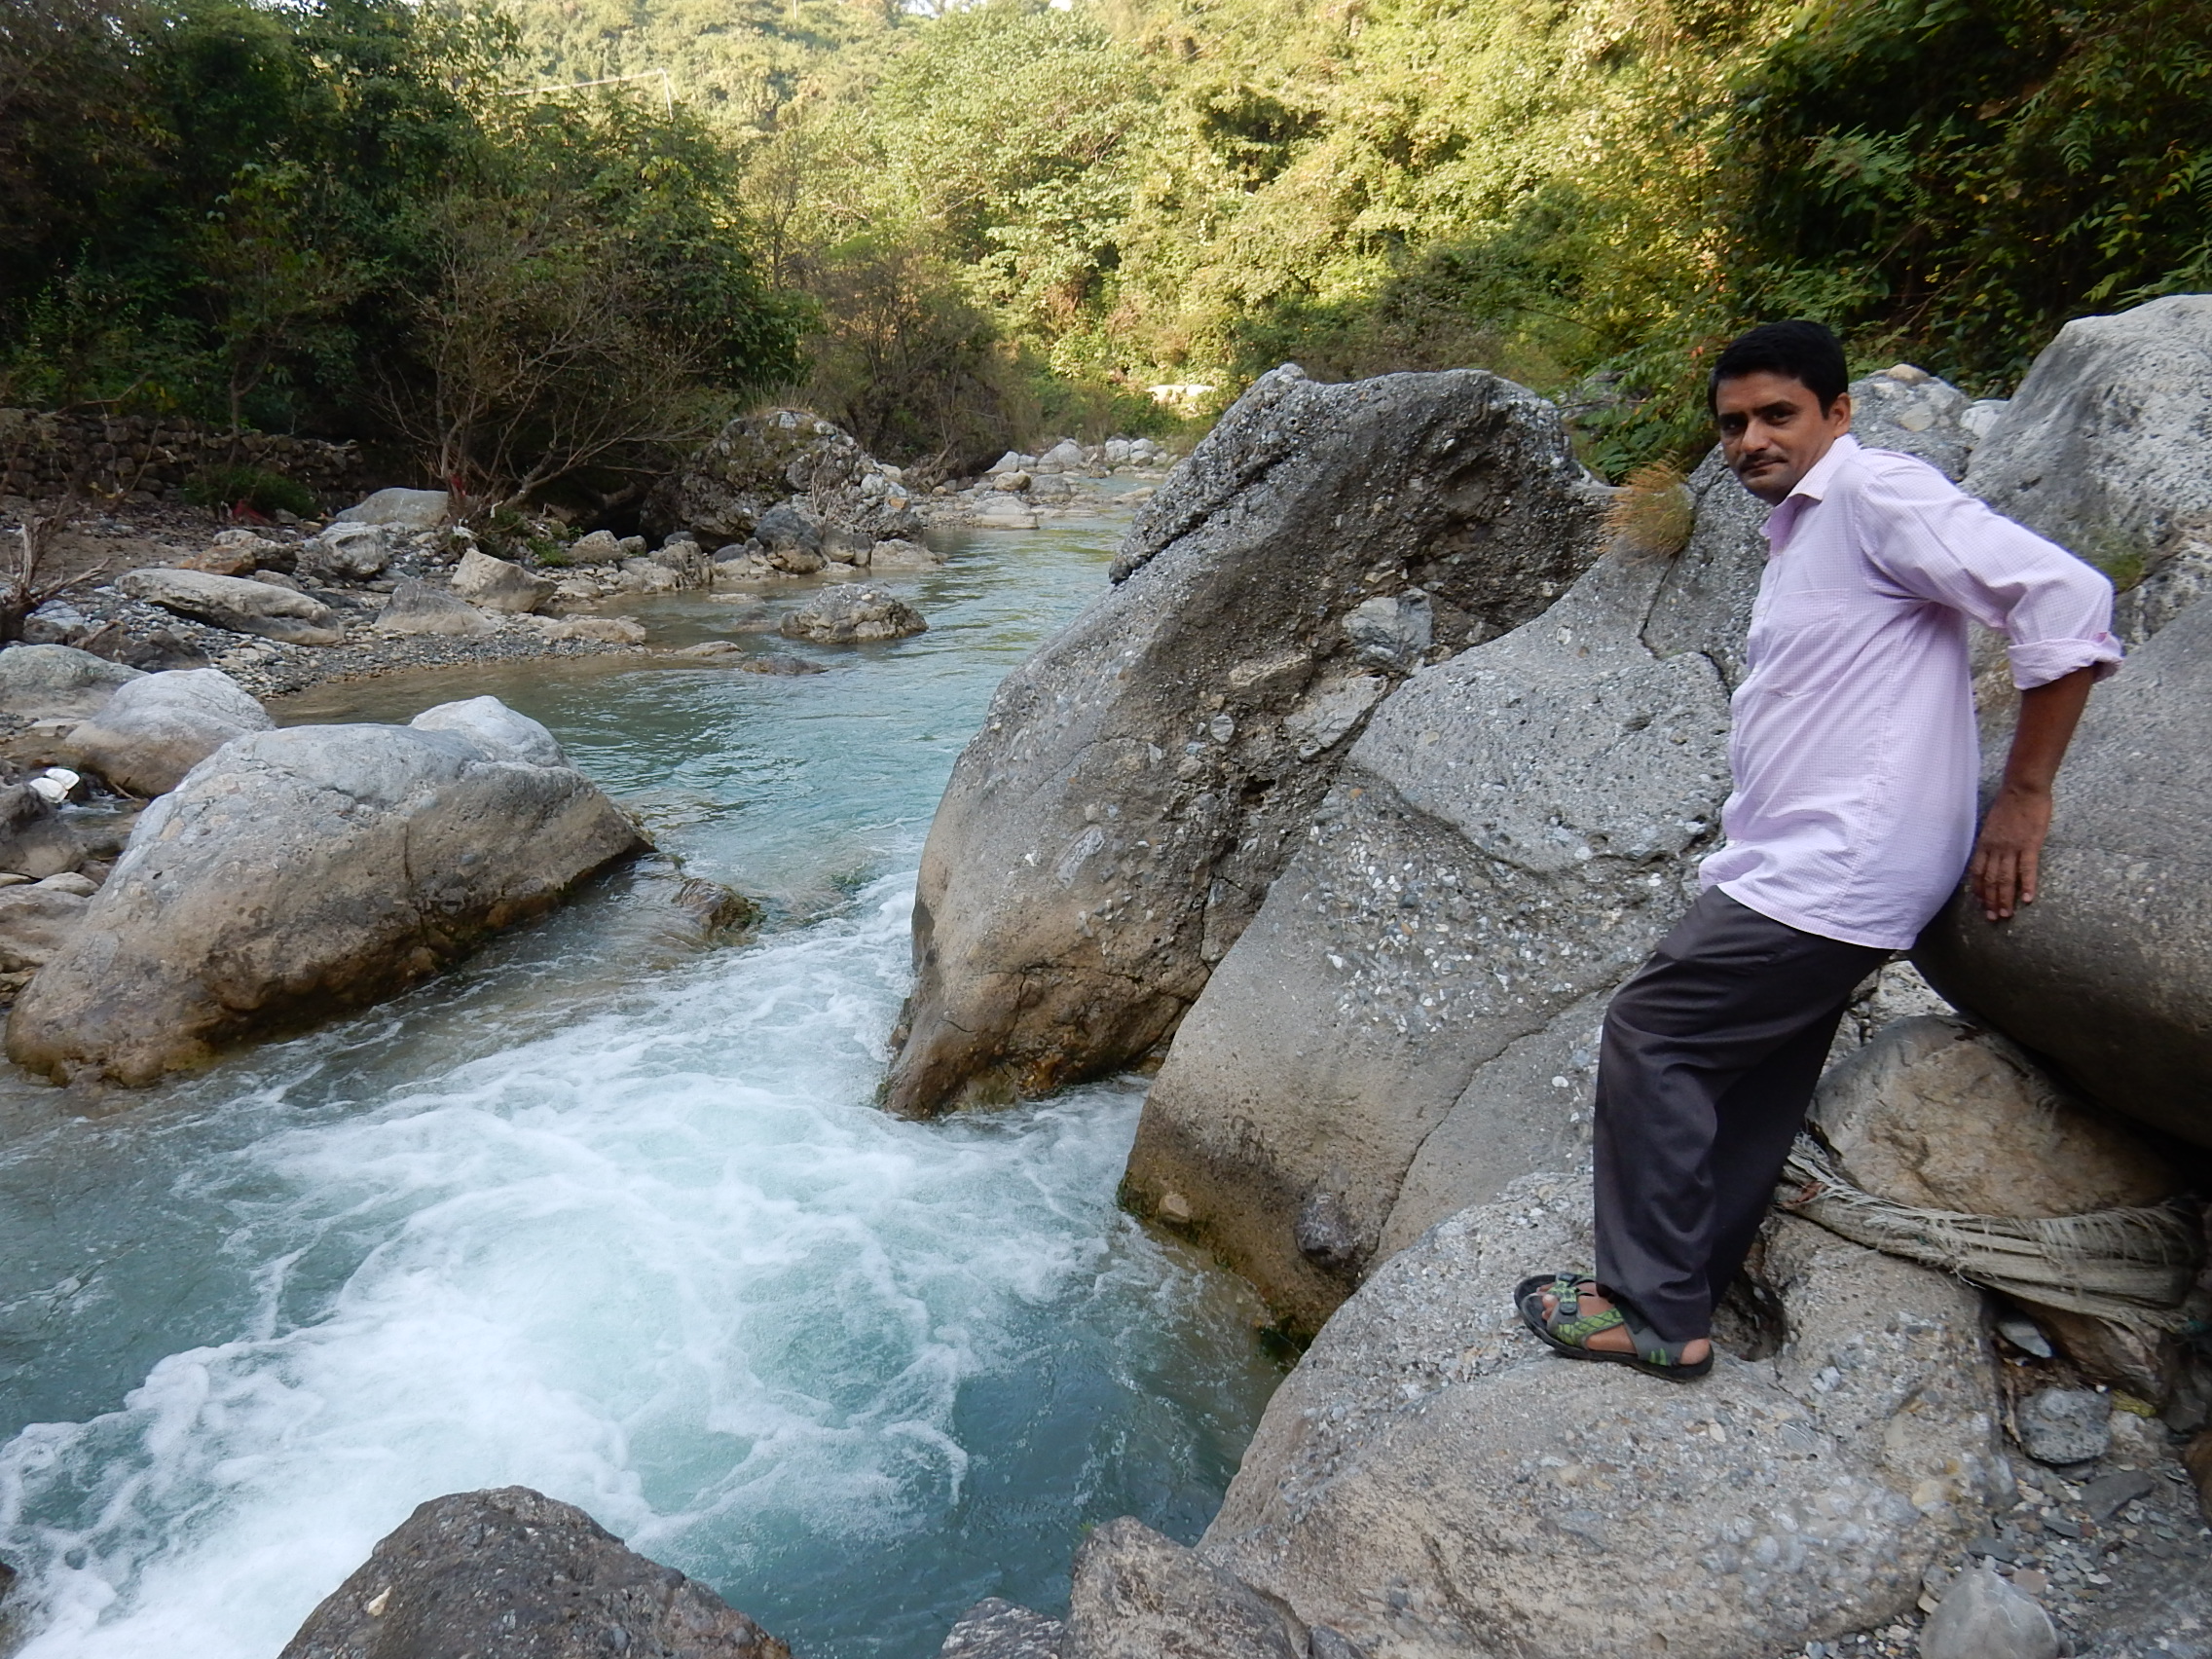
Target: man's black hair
x,y
1803,351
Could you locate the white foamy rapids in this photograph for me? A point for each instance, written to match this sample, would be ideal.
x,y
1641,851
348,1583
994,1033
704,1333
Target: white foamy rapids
x,y
670,1264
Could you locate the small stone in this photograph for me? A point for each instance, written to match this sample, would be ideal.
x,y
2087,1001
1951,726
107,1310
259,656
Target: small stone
x,y
1983,1617
2024,1334
2065,1425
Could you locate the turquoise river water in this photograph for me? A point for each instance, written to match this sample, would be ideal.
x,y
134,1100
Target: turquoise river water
x,y
613,1214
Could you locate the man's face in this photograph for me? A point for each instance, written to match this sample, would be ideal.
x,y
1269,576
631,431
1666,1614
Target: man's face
x,y
1773,431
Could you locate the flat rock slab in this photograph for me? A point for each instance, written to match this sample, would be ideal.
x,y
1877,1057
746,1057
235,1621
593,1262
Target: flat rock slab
x,y
512,1573
299,873
240,605
1430,1480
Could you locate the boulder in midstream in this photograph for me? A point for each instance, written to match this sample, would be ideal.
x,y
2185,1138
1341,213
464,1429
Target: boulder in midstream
x,y
306,871
1140,782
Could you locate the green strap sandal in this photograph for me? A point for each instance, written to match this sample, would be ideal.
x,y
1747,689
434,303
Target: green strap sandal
x,y
1568,1330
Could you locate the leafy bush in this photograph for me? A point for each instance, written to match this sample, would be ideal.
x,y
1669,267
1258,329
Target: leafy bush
x,y
265,493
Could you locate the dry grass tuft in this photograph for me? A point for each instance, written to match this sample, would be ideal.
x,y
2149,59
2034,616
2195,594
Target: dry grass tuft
x,y
1653,513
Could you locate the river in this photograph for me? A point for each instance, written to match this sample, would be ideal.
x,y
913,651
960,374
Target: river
x,y
611,1214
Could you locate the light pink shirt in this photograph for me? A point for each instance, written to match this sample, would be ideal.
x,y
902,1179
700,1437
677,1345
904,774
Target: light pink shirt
x,y
1854,746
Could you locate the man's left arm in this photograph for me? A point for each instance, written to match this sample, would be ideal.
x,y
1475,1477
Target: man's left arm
x,y
2055,613
2008,851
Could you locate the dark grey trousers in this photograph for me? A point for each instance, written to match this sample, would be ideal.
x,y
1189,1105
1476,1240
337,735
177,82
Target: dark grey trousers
x,y
1709,1058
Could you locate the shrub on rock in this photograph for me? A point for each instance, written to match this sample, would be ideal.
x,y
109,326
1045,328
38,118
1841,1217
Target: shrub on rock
x,y
309,871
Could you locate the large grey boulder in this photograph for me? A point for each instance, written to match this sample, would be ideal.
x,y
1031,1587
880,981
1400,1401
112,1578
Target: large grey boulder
x,y
1508,839
34,841
2108,974
159,727
2102,447
409,509
1140,781
498,584
309,871
233,603
56,683
1429,1480
515,1573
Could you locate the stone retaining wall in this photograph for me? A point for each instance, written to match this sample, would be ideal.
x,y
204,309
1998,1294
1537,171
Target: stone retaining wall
x,y
150,457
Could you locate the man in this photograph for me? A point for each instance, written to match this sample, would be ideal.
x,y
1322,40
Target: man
x,y
1854,761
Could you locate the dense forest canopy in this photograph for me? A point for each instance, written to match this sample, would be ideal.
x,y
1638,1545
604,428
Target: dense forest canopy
x,y
995,219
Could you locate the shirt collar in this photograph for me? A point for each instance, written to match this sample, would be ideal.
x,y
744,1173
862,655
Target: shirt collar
x,y
1811,487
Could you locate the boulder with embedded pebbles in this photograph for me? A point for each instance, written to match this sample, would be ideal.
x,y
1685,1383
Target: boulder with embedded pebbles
x,y
1428,1477
759,463
2108,974
2102,447
309,871
511,1571
157,728
1142,778
236,604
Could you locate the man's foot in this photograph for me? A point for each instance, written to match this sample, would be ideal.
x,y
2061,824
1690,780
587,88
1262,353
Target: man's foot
x,y
1592,1302
1571,1317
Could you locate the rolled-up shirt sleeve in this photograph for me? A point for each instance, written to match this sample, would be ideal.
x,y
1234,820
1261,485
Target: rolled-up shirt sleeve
x,y
2053,609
